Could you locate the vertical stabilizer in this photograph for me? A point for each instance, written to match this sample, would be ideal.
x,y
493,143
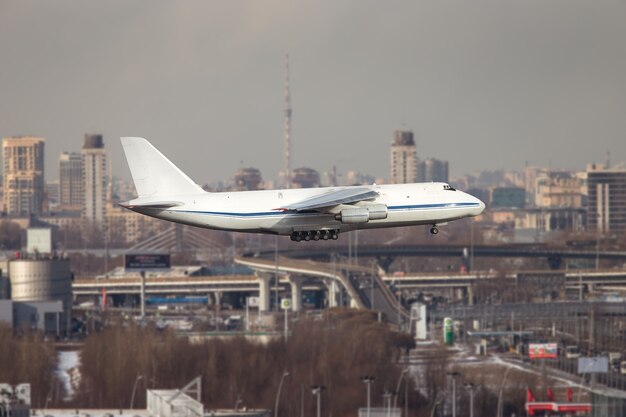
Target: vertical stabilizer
x,y
153,174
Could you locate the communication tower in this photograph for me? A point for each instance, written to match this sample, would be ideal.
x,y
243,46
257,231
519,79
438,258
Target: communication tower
x,y
287,125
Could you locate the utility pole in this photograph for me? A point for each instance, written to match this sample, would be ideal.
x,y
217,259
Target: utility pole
x,y
368,381
454,375
287,124
470,387
143,297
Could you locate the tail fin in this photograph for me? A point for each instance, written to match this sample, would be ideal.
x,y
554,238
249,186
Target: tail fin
x,y
153,174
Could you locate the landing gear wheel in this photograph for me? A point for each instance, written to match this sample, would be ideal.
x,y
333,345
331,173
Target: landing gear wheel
x,y
434,230
307,236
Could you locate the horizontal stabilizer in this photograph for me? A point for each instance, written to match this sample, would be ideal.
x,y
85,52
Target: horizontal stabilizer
x,y
151,204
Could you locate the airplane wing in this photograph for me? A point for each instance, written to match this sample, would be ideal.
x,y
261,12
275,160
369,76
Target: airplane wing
x,y
332,198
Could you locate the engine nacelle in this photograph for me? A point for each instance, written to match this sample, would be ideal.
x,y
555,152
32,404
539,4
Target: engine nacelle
x,y
377,211
353,215
363,214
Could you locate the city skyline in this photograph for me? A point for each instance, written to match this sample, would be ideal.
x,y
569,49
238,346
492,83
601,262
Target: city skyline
x,y
483,86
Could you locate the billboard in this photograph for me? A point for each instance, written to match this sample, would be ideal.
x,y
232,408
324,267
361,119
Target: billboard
x,y
542,350
594,365
147,261
39,240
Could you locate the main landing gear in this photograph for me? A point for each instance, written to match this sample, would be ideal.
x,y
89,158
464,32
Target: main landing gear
x,y
315,235
434,230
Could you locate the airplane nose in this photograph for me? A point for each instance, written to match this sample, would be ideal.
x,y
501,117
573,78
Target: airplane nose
x,y
481,207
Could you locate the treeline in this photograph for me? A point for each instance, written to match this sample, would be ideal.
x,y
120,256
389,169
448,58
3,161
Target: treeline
x,y
335,352
27,358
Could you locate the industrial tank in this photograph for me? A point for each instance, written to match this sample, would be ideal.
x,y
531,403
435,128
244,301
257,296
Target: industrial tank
x,y
41,280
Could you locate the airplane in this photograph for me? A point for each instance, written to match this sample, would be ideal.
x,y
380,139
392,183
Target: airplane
x,y
304,214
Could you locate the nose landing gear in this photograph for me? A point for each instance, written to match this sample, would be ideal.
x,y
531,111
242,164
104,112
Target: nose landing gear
x,y
434,230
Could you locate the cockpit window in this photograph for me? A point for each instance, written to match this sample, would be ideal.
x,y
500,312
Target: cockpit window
x,y
447,187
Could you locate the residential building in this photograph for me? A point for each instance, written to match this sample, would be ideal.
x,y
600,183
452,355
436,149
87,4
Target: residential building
x,y
127,227
403,158
23,175
71,181
559,189
248,179
432,170
305,178
95,179
607,199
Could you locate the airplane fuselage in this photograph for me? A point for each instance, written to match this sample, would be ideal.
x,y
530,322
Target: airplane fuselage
x,y
259,211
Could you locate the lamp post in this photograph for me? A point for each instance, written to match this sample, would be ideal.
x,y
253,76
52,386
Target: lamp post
x,y
372,286
368,380
317,390
387,401
438,399
470,387
397,391
500,393
454,375
132,397
280,386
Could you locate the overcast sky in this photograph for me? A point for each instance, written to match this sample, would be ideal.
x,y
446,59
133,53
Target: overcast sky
x,y
483,84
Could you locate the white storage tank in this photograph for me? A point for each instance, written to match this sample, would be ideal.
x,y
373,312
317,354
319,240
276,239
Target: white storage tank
x,y
41,280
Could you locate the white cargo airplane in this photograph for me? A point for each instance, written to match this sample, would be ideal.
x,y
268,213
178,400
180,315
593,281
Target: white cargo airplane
x,y
165,192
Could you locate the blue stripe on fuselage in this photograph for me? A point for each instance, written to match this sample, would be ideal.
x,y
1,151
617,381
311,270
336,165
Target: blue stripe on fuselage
x,y
281,213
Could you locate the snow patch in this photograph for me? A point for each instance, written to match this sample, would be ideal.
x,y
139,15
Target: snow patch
x,y
68,372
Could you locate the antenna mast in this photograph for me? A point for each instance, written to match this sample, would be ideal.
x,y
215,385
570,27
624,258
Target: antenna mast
x,y
287,124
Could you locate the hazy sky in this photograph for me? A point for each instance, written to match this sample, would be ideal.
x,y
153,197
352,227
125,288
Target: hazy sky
x,y
483,84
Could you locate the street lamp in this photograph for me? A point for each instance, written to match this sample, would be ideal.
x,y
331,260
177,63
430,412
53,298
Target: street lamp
x,y
280,386
372,286
387,401
367,379
396,393
317,390
499,409
454,375
438,400
132,397
470,387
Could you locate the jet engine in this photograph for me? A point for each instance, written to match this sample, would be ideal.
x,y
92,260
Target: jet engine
x,y
362,214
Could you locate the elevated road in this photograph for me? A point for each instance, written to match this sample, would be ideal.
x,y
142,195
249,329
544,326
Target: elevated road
x,y
364,286
456,280
554,256
171,285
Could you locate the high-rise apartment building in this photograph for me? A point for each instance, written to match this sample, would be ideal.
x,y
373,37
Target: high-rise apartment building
x,y
432,170
305,178
248,179
23,175
559,189
607,199
403,158
95,179
70,181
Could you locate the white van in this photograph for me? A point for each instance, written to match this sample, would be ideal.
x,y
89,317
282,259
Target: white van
x,y
572,352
